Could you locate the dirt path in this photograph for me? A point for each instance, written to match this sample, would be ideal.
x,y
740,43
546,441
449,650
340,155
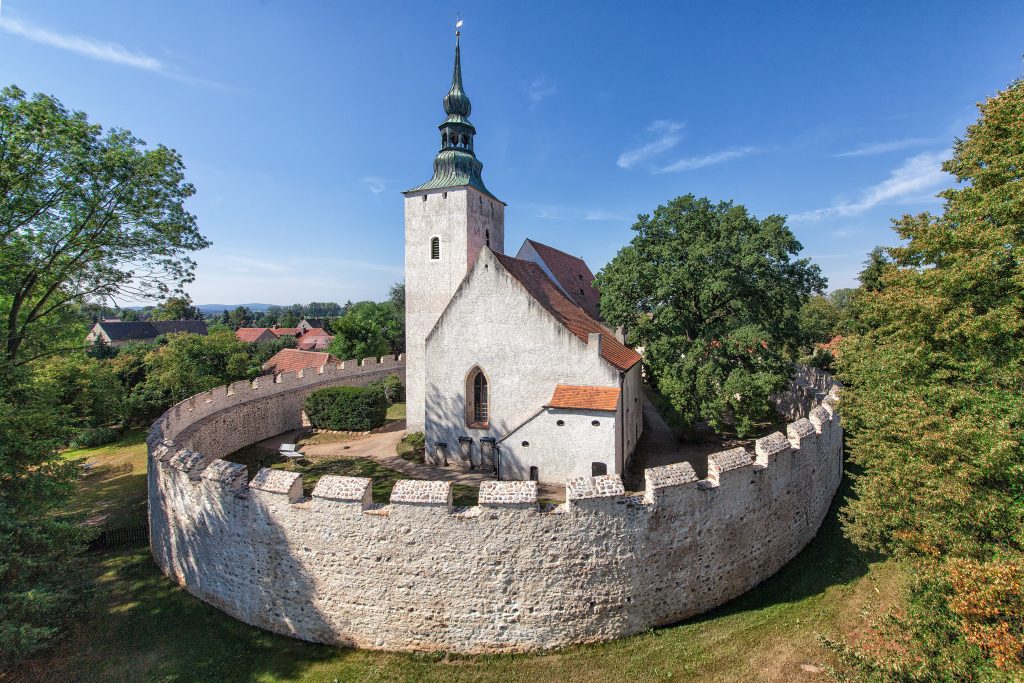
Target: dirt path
x,y
380,446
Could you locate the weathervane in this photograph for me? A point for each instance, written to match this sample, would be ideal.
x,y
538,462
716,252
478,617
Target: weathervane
x,y
458,22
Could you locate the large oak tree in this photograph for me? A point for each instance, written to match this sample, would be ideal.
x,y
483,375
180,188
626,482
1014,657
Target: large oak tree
x,y
713,296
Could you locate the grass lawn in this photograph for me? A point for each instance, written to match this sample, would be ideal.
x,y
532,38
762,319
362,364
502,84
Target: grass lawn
x,y
396,411
312,469
113,492
144,628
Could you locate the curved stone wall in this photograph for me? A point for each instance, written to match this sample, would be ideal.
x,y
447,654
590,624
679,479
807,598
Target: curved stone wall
x,y
506,575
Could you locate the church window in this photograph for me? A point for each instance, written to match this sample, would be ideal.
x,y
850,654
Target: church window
x,y
598,469
534,474
424,197
560,423
477,399
435,248
444,195
596,423
487,236
526,444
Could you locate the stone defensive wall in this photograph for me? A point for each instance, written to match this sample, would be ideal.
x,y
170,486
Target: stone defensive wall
x,y
505,575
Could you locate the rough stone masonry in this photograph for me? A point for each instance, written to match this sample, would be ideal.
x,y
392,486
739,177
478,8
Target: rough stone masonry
x,y
506,575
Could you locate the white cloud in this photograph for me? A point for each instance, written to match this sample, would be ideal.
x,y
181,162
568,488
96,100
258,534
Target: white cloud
x,y
693,163
539,88
96,49
916,175
564,213
882,147
104,51
374,184
666,135
845,232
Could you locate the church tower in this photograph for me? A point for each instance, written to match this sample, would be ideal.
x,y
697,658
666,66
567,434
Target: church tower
x,y
447,220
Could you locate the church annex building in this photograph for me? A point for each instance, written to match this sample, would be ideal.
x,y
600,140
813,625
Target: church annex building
x,y
507,362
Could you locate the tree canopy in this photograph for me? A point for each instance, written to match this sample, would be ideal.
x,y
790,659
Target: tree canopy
x,y
713,296
368,329
85,215
935,415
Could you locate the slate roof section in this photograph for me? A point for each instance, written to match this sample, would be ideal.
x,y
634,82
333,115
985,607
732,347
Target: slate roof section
x,y
585,398
291,360
574,318
138,330
573,275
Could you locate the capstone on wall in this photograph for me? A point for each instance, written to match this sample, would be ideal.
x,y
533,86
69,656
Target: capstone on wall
x,y
506,575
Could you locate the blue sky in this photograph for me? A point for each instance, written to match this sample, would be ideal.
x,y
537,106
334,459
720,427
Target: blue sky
x,y
300,122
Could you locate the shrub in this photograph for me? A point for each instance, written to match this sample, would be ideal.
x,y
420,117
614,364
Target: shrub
x,y
392,387
355,409
412,447
91,438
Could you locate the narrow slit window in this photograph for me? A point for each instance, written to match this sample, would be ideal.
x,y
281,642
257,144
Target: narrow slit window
x,y
435,248
487,236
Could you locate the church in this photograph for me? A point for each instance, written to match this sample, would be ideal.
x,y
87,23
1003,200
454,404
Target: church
x,y
508,366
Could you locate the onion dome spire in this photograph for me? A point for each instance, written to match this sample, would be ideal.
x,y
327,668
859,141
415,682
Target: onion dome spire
x,y
456,164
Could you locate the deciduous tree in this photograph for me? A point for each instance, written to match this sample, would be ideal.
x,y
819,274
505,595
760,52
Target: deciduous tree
x,y
712,294
935,414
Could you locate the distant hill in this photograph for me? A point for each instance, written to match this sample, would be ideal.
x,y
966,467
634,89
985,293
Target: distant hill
x,y
217,308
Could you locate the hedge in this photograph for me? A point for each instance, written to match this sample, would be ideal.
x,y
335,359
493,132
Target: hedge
x,y
351,409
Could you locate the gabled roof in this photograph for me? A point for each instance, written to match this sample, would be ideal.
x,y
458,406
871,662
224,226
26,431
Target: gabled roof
x,y
290,360
587,398
251,334
128,330
313,322
572,274
574,318
172,326
286,331
316,332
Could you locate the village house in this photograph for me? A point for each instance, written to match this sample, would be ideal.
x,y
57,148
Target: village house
x,y
120,332
292,360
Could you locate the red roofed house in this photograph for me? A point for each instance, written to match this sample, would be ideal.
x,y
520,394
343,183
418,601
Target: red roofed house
x,y
315,339
255,334
291,360
507,362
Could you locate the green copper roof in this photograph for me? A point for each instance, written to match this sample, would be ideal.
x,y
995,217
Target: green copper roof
x,y
456,164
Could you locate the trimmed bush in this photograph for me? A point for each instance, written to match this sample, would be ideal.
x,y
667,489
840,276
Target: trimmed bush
x,y
349,409
91,438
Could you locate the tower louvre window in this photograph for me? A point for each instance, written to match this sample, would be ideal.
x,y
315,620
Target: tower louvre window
x,y
435,248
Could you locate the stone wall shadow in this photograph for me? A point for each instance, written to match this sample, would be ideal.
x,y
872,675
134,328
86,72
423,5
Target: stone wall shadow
x,y
830,559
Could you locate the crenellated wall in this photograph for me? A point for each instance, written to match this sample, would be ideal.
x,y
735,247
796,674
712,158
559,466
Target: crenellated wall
x,y
505,575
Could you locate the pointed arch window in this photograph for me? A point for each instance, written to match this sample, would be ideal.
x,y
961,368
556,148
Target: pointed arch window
x,y
478,404
435,248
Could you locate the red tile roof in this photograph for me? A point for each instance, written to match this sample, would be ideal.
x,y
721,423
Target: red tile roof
x,y
574,276
290,360
286,331
548,295
587,398
316,332
250,334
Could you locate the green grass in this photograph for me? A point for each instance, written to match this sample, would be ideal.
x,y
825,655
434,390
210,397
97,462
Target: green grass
x,y
144,628
396,411
384,478
112,491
